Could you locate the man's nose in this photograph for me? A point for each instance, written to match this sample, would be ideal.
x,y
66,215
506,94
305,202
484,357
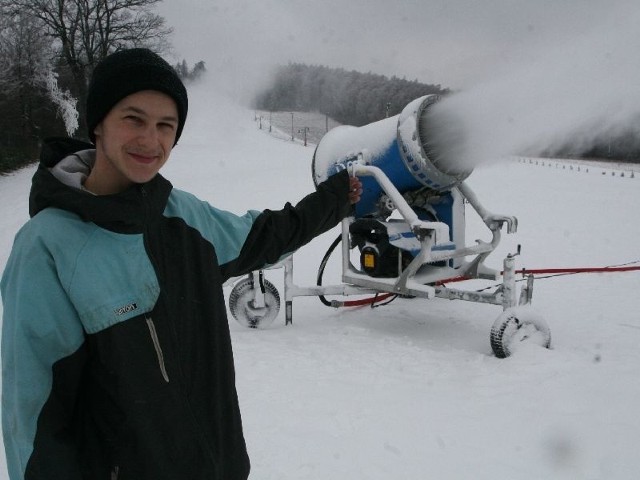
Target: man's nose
x,y
150,135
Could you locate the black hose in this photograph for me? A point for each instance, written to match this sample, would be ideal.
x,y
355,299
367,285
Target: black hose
x,y
372,300
322,266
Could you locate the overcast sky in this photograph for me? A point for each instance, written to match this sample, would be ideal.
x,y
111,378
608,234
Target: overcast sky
x,y
455,43
530,73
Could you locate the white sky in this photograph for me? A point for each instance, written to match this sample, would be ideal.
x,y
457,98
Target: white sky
x,y
455,43
531,73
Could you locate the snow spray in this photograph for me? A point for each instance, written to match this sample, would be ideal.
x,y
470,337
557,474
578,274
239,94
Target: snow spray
x,y
579,94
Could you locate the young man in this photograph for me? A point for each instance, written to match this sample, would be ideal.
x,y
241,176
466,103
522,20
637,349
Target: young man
x,y
116,354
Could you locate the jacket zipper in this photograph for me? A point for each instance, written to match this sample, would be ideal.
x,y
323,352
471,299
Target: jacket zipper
x,y
150,324
156,344
154,333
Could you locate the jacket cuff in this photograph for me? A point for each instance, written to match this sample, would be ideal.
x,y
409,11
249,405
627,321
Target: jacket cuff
x,y
338,186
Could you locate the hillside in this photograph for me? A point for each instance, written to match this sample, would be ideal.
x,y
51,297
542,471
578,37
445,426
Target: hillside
x,y
411,390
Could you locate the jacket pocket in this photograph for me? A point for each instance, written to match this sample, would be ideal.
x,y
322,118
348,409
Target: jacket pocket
x,y
156,344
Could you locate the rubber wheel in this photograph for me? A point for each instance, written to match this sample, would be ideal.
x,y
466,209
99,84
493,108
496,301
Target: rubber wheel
x,y
516,326
241,304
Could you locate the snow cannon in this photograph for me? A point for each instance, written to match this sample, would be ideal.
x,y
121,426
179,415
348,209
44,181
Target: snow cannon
x,y
408,152
406,147
406,237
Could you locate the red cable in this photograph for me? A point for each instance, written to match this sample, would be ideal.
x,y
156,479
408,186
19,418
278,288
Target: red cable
x,y
577,270
461,278
541,271
367,301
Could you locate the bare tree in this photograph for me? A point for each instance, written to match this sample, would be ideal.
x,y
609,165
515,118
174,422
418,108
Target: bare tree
x,y
83,32
24,60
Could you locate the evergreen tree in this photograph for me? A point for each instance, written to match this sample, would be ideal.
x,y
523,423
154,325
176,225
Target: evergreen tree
x,y
348,96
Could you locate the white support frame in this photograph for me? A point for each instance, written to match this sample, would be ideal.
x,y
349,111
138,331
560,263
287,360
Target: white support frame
x,y
421,277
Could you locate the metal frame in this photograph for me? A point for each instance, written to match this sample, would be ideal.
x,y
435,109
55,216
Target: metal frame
x,y
421,278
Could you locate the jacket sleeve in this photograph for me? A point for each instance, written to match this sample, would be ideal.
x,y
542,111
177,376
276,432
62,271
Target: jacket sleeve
x,y
41,335
274,234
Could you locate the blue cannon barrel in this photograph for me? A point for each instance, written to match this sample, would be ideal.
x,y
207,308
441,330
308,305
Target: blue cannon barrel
x,y
404,147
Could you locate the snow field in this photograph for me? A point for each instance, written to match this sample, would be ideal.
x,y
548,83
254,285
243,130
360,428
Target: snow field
x,y
411,390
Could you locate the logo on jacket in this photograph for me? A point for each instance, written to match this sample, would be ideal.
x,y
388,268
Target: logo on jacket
x,y
125,309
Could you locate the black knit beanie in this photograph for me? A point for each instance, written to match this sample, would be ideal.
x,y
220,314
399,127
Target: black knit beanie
x,y
129,71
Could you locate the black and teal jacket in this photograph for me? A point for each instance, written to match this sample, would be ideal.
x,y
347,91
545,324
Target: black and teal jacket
x,y
116,354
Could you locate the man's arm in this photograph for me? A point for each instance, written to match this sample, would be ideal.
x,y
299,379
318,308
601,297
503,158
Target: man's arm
x,y
274,234
42,362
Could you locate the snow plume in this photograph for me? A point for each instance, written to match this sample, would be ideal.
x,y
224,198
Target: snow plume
x,y
574,94
63,100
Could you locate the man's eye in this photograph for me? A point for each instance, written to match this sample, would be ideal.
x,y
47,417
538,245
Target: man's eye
x,y
168,126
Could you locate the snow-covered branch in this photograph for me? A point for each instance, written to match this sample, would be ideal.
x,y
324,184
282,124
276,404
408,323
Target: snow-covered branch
x,y
63,100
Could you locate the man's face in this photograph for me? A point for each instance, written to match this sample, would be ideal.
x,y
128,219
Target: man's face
x,y
133,141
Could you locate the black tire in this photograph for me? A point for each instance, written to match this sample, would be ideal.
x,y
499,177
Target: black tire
x,y
242,309
516,326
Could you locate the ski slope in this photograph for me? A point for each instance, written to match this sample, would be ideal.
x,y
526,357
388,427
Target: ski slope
x,y
411,390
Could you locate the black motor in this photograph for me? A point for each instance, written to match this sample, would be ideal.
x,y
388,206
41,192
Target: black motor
x,y
378,257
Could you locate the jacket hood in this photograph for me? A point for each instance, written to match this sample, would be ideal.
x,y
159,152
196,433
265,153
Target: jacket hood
x,y
126,212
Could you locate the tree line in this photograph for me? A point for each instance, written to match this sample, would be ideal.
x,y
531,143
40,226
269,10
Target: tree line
x,y
350,97
48,50
355,98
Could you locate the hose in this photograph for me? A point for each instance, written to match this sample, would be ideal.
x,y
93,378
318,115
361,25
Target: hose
x,y
349,303
552,272
577,270
322,266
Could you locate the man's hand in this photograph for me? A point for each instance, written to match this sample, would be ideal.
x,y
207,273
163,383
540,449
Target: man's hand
x,y
355,189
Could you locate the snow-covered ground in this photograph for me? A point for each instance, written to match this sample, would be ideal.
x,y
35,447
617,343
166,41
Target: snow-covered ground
x,y
411,390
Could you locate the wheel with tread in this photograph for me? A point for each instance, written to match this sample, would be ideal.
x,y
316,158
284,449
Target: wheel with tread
x,y
516,326
242,304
